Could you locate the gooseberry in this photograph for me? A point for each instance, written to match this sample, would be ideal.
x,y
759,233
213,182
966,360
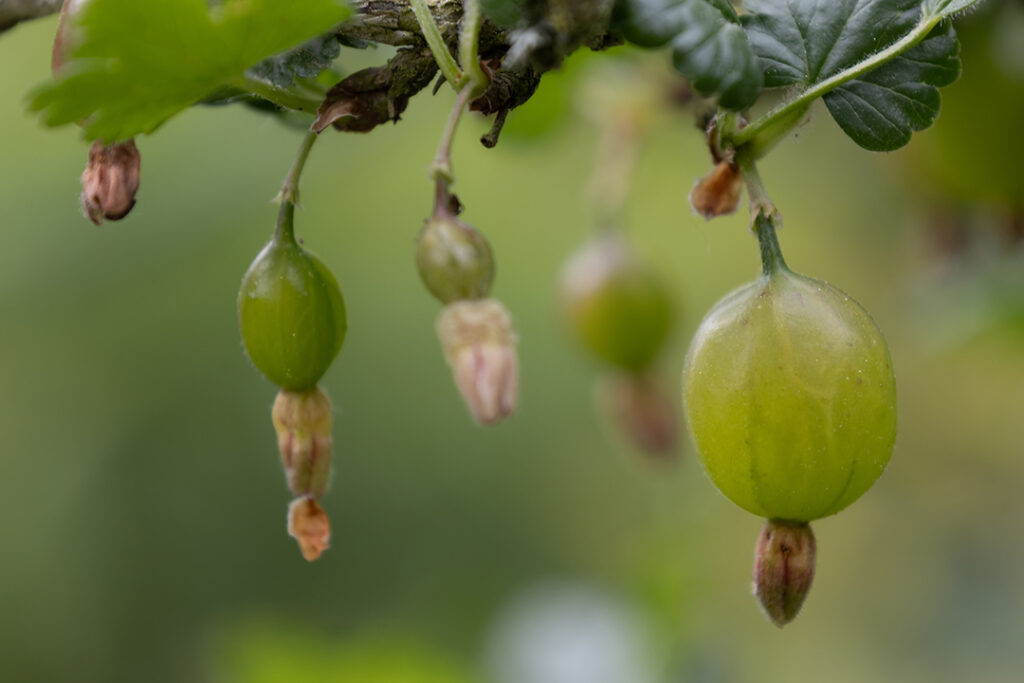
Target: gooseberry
x,y
291,314
454,259
617,306
789,391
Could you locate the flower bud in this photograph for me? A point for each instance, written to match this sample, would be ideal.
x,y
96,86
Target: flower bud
x,y
479,344
308,524
303,424
455,261
110,181
618,307
717,193
643,412
783,568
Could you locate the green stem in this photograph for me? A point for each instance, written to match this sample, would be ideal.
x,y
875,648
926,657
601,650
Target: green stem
x,y
441,168
469,41
432,34
786,112
283,98
289,195
613,168
771,253
725,129
764,217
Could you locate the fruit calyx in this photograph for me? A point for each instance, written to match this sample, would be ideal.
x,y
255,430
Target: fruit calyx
x,y
784,560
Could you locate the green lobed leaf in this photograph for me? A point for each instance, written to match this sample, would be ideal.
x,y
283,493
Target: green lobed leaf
x,y
805,42
135,64
305,61
709,46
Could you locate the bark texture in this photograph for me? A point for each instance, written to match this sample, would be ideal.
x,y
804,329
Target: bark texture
x,y
374,96
14,11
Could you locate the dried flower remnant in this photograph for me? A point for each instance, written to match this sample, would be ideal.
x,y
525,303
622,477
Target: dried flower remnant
x,y
479,344
717,193
783,568
642,410
302,420
308,524
110,181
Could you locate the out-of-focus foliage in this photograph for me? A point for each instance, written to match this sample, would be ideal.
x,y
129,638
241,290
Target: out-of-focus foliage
x,y
144,506
305,61
266,653
131,65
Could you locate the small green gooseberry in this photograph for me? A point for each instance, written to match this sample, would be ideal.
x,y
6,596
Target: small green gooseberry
x,y
454,259
291,314
789,391
616,305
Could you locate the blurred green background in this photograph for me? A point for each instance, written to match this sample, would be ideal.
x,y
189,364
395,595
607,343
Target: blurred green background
x,y
144,507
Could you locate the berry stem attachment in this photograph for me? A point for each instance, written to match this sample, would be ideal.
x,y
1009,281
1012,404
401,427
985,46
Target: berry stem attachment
x,y
441,168
771,254
289,194
765,218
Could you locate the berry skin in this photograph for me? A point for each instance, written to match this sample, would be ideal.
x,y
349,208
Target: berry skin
x,y
291,314
454,260
790,395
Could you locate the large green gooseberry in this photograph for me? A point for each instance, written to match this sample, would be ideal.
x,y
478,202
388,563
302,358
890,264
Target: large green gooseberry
x,y
789,392
291,315
617,306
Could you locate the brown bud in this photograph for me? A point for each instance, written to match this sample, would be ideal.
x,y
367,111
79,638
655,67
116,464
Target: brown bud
x,y
480,346
643,411
303,423
717,193
110,181
308,524
783,568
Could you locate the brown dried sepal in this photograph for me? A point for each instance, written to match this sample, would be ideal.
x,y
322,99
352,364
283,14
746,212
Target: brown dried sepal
x,y
784,568
308,524
717,193
376,95
110,181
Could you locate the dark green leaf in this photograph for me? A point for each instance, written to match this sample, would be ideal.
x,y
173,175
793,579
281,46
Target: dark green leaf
x,y
806,42
135,64
304,61
708,44
509,13
944,8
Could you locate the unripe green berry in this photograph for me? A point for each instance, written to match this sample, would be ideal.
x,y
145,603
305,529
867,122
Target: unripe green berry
x,y
291,315
454,260
790,396
617,306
